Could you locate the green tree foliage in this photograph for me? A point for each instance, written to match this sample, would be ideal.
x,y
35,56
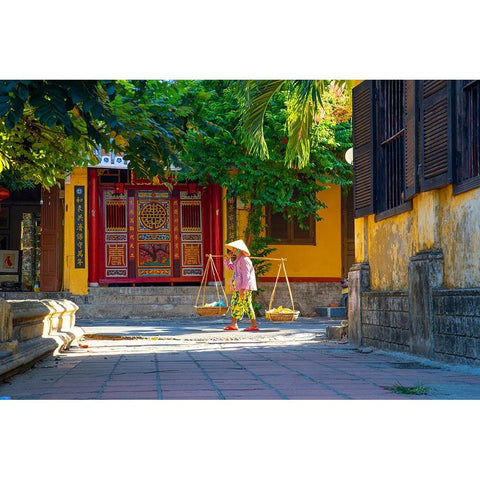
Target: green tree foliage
x,y
304,106
153,120
215,153
46,127
49,126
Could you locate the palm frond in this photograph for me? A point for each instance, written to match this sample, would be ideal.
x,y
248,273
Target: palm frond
x,y
299,123
258,94
308,91
305,103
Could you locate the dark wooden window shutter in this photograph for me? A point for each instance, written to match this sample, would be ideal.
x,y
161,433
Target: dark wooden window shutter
x,y
411,139
289,232
363,148
467,135
436,122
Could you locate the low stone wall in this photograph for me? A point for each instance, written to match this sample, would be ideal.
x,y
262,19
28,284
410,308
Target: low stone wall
x,y
427,320
456,325
385,321
166,301
307,296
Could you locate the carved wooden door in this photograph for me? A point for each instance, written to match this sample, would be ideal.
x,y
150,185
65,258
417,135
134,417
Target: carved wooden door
x,y
150,236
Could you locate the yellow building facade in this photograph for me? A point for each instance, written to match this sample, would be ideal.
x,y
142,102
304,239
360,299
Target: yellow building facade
x,y
438,220
319,261
315,270
415,284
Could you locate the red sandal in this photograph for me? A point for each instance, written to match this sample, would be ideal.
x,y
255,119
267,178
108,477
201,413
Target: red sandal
x,y
229,327
251,329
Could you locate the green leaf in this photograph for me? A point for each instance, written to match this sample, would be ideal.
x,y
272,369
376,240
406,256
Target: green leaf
x,y
9,122
4,108
37,100
8,86
88,104
22,91
96,111
110,88
111,121
77,92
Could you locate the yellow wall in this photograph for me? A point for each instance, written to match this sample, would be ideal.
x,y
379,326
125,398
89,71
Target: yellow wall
x,y
75,279
324,259
226,272
438,220
389,245
360,229
459,232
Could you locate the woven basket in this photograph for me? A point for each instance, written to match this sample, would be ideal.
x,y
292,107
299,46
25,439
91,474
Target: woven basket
x,y
200,308
282,317
211,311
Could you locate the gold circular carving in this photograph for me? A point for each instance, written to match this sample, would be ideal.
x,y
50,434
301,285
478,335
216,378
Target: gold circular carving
x,y
153,216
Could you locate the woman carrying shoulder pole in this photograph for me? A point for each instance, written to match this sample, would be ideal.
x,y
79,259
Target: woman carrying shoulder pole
x,y
243,282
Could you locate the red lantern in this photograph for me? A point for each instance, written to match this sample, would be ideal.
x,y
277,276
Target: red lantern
x,y
4,193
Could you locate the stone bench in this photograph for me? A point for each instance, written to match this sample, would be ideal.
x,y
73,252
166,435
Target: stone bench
x,y
31,329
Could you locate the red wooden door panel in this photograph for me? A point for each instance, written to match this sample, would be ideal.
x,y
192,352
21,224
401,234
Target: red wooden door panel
x,y
151,235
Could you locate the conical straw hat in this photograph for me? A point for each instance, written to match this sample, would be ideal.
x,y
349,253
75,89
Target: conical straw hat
x,y
240,245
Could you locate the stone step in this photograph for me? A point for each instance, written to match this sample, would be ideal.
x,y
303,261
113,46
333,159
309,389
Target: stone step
x,y
331,312
130,302
150,290
140,299
35,295
104,311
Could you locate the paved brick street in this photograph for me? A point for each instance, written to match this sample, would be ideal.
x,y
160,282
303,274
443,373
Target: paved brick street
x,y
195,359
181,359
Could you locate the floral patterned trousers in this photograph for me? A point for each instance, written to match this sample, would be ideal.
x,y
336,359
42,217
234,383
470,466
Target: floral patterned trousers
x,y
242,306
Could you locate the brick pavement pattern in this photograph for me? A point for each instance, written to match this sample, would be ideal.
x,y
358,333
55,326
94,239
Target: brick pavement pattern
x,y
224,365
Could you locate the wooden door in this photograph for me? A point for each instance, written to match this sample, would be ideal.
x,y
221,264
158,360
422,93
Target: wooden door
x,y
348,233
50,241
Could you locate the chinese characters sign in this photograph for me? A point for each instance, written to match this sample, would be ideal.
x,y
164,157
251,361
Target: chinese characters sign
x,y
79,226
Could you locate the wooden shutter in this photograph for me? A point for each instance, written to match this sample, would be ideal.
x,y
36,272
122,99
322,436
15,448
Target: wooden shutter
x,y
466,168
436,133
411,140
363,148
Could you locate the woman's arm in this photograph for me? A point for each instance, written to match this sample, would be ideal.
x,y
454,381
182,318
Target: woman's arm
x,y
228,261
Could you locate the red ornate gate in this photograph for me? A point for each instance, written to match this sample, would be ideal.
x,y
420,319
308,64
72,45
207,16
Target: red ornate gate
x,y
148,234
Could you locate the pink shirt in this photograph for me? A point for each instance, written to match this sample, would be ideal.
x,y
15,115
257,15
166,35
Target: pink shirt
x,y
243,272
